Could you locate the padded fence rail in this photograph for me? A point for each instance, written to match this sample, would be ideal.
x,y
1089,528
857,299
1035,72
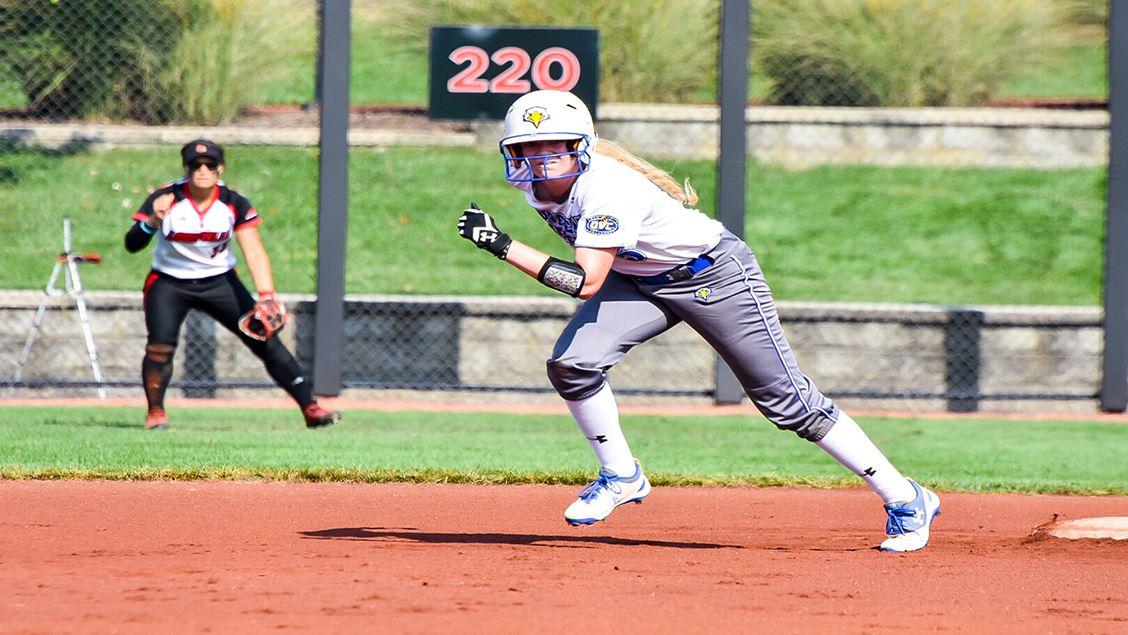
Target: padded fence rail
x,y
961,359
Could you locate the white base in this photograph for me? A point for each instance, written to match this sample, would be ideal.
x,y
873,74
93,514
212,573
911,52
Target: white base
x,y
1114,527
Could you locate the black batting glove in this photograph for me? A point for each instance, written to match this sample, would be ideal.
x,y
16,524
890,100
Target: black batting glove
x,y
478,227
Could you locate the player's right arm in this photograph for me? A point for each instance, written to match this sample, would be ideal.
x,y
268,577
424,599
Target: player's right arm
x,y
149,219
580,279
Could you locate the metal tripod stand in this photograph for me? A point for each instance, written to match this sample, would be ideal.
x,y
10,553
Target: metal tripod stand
x,y
66,263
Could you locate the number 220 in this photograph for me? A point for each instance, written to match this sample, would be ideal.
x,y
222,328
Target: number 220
x,y
517,62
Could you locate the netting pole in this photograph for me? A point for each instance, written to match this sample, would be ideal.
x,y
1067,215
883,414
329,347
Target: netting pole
x,y
332,197
1114,374
732,162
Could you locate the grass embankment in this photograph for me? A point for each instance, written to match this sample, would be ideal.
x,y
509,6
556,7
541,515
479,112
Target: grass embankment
x,y
968,455
832,233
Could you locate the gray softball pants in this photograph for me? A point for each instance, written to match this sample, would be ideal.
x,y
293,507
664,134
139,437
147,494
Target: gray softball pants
x,y
729,304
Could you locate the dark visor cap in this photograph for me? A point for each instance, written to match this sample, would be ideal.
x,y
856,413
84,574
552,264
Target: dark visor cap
x,y
201,149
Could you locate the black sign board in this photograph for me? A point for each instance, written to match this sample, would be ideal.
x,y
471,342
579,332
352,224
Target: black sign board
x,y
478,71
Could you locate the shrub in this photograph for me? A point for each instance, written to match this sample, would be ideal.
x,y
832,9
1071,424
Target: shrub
x,y
81,58
656,51
192,61
899,52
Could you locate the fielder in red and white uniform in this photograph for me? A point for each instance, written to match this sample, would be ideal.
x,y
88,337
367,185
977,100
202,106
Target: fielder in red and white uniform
x,y
194,221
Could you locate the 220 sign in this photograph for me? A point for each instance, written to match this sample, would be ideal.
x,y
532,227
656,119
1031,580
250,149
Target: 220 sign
x,y
477,71
516,62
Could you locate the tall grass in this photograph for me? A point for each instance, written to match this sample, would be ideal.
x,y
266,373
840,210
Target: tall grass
x,y
227,56
661,51
655,51
1090,12
902,52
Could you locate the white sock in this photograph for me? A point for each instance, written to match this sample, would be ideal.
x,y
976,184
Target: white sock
x,y
850,446
598,418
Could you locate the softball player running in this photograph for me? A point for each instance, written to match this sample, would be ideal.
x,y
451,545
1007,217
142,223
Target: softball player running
x,y
194,220
644,262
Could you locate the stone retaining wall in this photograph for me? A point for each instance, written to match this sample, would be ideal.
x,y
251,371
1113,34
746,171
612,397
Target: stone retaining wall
x,y
793,136
801,137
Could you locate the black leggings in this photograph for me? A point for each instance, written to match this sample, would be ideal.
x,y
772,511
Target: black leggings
x,y
223,297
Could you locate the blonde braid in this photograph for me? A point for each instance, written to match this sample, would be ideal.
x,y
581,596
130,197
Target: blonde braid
x,y
657,176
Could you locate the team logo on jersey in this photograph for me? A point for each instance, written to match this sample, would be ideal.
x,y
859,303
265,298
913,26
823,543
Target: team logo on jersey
x,y
535,115
602,224
564,226
702,294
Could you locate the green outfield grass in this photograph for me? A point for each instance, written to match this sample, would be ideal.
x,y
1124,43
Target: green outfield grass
x,y
970,455
831,233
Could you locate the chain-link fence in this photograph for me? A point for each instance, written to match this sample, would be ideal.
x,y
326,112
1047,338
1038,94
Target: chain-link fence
x,y
899,181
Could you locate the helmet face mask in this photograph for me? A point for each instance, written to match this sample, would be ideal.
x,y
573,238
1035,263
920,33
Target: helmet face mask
x,y
519,167
546,115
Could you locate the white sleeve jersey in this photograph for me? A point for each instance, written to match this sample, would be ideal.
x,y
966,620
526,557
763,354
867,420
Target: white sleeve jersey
x,y
613,205
193,242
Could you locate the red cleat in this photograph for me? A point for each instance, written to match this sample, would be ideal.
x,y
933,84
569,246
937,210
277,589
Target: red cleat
x,y
156,419
318,417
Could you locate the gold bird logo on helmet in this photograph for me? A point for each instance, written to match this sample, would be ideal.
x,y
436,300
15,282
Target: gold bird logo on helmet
x,y
535,116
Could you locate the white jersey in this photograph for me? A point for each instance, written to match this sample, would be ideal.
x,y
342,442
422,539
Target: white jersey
x,y
613,205
196,243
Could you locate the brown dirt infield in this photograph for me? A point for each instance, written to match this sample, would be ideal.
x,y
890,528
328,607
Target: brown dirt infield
x,y
97,556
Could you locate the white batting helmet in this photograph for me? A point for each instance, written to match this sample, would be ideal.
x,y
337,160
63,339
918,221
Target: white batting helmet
x,y
546,115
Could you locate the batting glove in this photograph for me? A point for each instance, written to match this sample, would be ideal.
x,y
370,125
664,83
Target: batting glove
x,y
478,227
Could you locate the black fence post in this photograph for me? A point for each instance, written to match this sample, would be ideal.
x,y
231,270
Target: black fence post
x,y
1114,371
332,198
732,162
963,359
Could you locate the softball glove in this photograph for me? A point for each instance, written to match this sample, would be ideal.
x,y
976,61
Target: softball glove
x,y
265,320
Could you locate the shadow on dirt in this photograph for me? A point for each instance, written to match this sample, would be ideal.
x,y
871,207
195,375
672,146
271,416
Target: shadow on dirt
x,y
536,540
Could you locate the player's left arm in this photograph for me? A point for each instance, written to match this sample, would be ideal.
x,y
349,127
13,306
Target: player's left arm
x,y
595,264
257,261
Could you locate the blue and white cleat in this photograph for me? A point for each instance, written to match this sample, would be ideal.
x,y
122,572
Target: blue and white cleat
x,y
909,522
600,497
